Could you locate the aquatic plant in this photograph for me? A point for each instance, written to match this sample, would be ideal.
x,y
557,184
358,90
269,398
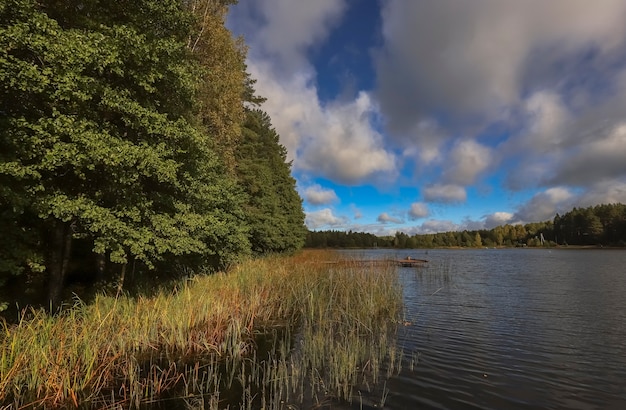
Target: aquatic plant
x,y
270,331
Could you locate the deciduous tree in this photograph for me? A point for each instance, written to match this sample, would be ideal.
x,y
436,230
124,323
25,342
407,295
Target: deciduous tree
x,y
99,138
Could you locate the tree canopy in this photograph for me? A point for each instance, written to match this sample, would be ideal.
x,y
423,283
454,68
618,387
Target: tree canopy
x,y
119,126
274,208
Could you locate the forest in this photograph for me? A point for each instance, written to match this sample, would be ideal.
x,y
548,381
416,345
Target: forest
x,y
132,146
600,225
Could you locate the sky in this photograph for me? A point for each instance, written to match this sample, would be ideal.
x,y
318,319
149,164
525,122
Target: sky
x,y
430,116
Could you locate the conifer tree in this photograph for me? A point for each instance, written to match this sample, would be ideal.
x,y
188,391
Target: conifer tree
x,y
274,208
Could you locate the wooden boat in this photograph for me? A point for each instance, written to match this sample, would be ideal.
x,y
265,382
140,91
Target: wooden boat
x,y
409,262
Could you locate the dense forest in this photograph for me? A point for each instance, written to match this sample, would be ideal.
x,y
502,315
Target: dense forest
x,y
601,225
132,145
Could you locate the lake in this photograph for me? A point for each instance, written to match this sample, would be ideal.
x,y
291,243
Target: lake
x,y
511,329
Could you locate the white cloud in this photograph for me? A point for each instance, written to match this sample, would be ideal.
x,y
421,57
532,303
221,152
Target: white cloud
x,y
545,73
539,145
284,30
548,118
424,142
418,210
593,160
316,195
334,140
530,86
604,192
357,212
385,218
544,205
434,226
324,218
445,193
497,219
337,141
343,145
479,57
467,160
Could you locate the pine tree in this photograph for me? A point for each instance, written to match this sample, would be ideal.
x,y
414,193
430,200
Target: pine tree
x,y
274,208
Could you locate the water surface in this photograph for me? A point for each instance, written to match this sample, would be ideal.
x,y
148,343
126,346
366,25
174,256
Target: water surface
x,y
512,328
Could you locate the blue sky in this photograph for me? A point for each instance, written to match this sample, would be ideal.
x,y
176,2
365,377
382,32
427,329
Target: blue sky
x,y
428,116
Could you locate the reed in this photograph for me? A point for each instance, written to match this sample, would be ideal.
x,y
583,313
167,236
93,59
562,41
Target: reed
x,y
270,331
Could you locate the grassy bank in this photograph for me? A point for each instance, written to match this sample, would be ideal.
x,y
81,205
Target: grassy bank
x,y
272,331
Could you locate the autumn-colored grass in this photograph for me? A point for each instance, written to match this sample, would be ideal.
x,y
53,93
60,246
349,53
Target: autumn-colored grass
x,y
329,328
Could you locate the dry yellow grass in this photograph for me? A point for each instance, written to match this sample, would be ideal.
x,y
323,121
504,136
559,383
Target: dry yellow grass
x,y
131,350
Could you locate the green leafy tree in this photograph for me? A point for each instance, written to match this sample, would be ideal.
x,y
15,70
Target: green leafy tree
x,y
478,242
466,240
224,84
104,144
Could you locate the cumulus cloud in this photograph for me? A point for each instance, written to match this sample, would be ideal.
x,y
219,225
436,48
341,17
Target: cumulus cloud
x,y
342,143
424,142
603,157
324,218
357,212
547,118
531,87
559,149
478,57
418,210
604,192
385,218
445,193
434,226
283,30
544,205
316,195
497,219
337,141
548,74
467,160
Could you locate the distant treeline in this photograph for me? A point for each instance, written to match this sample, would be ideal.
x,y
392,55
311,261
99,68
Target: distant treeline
x,y
603,225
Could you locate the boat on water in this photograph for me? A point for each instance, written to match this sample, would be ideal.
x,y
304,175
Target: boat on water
x,y
410,262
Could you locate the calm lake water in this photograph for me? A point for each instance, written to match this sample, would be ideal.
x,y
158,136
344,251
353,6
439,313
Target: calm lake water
x,y
512,329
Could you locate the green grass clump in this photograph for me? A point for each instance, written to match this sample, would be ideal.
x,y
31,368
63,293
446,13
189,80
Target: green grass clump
x,y
329,329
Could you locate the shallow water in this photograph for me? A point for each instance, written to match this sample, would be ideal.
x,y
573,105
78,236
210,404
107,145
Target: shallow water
x,y
512,328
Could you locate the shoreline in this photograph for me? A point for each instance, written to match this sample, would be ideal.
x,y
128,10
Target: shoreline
x,y
212,335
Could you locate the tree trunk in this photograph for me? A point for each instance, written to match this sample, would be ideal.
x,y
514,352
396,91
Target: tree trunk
x,y
101,263
120,283
58,262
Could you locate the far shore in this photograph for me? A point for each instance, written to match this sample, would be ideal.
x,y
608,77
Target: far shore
x,y
560,247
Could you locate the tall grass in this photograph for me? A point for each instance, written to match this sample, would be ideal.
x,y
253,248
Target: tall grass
x,y
327,329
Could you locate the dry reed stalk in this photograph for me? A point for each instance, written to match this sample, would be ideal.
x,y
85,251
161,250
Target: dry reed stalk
x,y
138,346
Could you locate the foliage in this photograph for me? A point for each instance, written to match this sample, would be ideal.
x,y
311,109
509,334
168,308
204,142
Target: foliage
x,y
123,130
274,209
104,144
341,239
223,84
597,225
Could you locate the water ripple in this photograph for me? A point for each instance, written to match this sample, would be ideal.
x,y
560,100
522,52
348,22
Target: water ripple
x,y
496,329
